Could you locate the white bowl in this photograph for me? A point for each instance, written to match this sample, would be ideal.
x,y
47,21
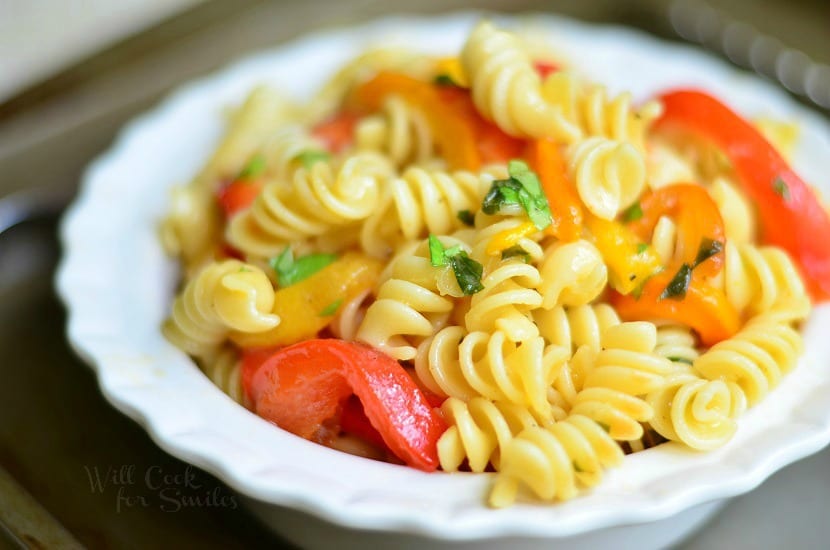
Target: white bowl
x,y
118,285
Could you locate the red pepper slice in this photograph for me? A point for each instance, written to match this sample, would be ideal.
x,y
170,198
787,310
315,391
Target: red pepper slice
x,y
238,195
545,68
353,420
336,132
791,215
301,386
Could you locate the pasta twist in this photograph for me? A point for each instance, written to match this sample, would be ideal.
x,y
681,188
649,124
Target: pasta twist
x,y
224,371
755,358
399,131
319,200
625,370
572,274
418,203
700,413
613,117
553,461
574,327
509,295
489,233
737,212
192,226
490,365
609,175
225,296
677,344
283,148
760,279
478,429
507,90
409,303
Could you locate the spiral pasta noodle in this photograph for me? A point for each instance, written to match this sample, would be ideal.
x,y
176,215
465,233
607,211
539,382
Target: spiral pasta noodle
x,y
399,131
572,274
700,413
224,371
225,296
490,365
760,279
320,199
609,175
478,429
420,202
755,358
554,461
507,90
574,327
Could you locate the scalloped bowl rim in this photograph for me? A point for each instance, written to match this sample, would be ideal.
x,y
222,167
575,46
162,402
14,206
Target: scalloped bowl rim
x,y
116,303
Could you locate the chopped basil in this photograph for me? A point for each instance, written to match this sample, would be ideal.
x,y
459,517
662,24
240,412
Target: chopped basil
x,y
310,157
680,360
467,271
633,213
523,189
781,188
332,308
436,252
466,217
444,79
514,251
677,287
290,270
642,247
254,168
708,248
245,269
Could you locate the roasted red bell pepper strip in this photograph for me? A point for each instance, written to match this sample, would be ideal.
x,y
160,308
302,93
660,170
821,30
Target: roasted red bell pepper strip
x,y
353,420
698,222
545,68
301,386
238,195
336,132
565,207
791,215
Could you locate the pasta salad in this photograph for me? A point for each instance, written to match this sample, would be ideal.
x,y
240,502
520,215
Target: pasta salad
x,y
488,263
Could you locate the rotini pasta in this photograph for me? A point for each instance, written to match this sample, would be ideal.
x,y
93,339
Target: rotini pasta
x,y
609,175
225,296
469,233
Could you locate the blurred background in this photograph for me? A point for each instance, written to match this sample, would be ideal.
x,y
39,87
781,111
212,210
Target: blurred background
x,y
73,471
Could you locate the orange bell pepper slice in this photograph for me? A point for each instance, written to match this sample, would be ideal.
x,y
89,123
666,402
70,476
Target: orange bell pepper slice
x,y
698,221
704,307
546,160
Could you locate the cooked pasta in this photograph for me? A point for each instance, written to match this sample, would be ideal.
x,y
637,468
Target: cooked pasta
x,y
399,131
609,175
487,262
315,201
507,90
225,296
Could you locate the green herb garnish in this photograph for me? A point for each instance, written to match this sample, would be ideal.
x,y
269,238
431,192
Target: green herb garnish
x,y
310,157
332,308
633,213
437,257
290,270
680,360
466,217
444,79
677,287
708,248
254,168
467,271
642,247
523,189
781,188
515,251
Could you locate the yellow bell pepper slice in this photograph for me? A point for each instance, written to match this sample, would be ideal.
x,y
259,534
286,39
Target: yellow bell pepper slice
x,y
630,261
